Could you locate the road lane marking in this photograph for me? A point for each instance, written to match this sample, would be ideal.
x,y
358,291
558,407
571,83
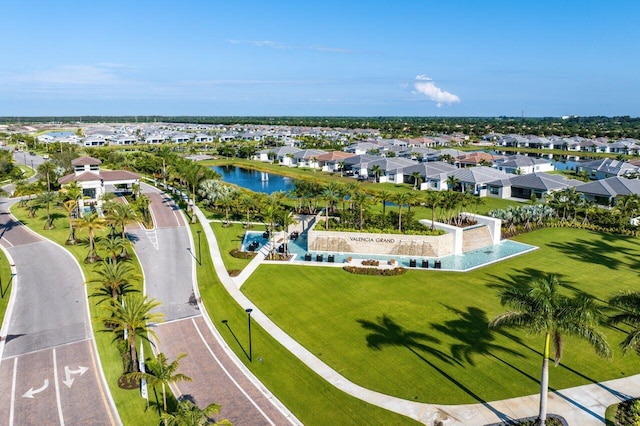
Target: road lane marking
x,y
229,374
68,381
31,392
100,383
55,380
13,390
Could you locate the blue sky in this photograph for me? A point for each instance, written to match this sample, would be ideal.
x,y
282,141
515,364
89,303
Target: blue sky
x,y
373,58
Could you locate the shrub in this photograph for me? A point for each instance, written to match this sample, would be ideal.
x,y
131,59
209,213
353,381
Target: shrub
x,y
628,412
370,262
375,271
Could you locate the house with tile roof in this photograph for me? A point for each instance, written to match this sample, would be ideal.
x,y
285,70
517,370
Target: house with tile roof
x,y
332,161
607,167
605,191
433,174
475,179
521,164
95,182
524,186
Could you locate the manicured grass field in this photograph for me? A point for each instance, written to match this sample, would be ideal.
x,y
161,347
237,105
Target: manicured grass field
x,y
229,238
6,285
132,408
311,399
423,336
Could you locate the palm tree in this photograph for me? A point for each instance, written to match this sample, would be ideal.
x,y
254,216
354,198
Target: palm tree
x,y
120,215
162,372
132,318
361,199
383,196
431,201
247,203
72,194
195,176
115,247
417,180
92,223
629,303
45,199
376,170
142,204
452,183
541,309
341,166
189,414
114,279
400,198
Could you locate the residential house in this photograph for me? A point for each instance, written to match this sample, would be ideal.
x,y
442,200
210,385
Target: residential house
x,y
475,179
433,174
333,161
605,191
524,186
607,167
521,164
308,158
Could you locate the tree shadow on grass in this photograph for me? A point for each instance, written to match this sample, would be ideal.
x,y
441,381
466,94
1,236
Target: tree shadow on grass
x,y
592,252
386,332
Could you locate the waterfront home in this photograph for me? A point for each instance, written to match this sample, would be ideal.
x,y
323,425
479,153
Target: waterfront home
x,y
282,155
520,164
524,186
605,191
307,158
607,167
332,161
474,179
473,159
433,174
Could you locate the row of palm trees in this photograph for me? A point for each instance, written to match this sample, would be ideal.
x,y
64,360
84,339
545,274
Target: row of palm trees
x,y
540,308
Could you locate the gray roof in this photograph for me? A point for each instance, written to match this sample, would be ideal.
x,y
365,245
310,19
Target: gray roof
x,y
540,181
609,166
480,174
361,159
611,187
432,168
393,163
516,161
308,153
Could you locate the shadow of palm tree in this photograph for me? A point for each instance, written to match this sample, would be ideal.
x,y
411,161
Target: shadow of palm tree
x,y
472,330
592,251
386,332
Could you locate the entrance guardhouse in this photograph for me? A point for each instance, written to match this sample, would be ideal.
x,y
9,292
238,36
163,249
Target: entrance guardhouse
x,y
95,182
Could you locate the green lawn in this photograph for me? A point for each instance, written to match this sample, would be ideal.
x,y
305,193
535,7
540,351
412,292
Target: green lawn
x,y
6,284
307,395
427,331
130,405
229,238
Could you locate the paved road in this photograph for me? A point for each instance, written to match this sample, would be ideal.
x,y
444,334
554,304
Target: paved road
x,y
169,275
48,371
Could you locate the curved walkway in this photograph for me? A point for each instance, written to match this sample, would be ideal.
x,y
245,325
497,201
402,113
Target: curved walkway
x,y
168,259
582,405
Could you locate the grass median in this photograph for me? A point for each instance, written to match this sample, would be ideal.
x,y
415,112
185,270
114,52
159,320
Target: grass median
x,y
131,407
312,400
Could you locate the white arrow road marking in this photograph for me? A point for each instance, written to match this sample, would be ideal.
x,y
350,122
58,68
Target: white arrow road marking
x,y
68,372
32,391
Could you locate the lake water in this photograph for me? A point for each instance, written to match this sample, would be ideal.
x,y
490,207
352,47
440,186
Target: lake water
x,y
254,180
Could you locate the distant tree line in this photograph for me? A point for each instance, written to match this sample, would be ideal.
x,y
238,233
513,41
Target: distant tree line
x,y
596,126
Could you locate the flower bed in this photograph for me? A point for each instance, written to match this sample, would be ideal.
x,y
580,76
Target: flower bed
x,y
375,271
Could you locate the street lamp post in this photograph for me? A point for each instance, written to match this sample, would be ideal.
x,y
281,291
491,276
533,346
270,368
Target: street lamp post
x,y
199,252
248,311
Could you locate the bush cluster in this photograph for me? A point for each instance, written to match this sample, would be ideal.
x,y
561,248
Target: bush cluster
x,y
375,271
371,262
628,412
242,254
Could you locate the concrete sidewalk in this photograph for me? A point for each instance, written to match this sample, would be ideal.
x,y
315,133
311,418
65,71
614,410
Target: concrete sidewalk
x,y
582,405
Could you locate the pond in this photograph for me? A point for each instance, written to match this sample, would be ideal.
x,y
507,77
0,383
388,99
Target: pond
x,y
254,180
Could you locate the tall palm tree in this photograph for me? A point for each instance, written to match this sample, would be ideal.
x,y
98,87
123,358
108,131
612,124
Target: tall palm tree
x,y
71,194
376,170
115,247
361,199
46,199
629,303
189,414
120,215
92,223
195,176
132,318
247,204
540,309
417,180
400,198
114,279
431,201
162,372
384,196
452,183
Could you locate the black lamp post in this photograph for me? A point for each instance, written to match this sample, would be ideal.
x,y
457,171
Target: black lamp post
x,y
248,311
199,252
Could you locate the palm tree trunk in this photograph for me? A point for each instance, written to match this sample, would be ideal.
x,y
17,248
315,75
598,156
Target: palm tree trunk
x,y
544,382
164,398
133,353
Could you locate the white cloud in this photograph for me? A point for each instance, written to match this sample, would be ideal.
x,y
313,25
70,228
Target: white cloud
x,y
425,86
